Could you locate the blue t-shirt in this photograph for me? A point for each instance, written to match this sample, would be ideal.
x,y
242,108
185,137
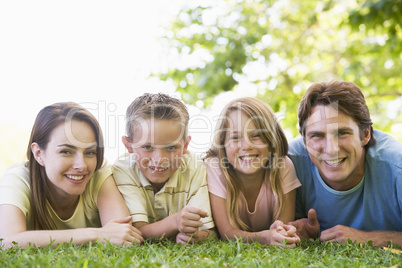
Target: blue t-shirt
x,y
374,204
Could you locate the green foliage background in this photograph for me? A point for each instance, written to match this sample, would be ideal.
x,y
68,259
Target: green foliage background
x,y
279,48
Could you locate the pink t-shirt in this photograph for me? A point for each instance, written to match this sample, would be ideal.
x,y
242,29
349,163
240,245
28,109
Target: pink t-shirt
x,y
262,216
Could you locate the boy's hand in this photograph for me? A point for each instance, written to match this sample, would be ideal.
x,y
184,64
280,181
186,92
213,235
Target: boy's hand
x,y
187,238
188,219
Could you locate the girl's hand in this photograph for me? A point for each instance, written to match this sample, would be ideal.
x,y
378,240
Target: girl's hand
x,y
279,232
120,232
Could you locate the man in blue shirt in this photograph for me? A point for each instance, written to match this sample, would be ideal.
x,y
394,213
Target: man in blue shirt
x,y
351,175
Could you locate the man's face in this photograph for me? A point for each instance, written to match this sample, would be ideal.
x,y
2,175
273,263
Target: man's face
x,y
158,146
333,142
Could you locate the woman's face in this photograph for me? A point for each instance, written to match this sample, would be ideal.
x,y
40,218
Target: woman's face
x,y
70,157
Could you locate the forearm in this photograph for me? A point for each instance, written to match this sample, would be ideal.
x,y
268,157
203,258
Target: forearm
x,y
165,228
381,238
44,238
245,236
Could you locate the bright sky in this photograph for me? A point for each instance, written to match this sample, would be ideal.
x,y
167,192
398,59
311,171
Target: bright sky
x,y
96,53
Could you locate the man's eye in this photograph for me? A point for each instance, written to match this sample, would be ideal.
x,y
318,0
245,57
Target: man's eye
x,y
317,136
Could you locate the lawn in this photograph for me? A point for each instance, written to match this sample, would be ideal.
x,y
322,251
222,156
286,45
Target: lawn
x,y
210,253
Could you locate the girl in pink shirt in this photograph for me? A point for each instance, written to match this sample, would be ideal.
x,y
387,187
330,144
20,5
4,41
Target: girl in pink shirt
x,y
250,179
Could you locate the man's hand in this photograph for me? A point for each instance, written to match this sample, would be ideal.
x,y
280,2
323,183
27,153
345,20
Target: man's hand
x,y
307,227
342,233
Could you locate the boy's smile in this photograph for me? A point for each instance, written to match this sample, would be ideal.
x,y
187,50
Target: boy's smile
x,y
158,146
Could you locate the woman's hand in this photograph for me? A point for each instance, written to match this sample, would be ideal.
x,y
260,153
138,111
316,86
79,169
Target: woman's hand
x,y
120,232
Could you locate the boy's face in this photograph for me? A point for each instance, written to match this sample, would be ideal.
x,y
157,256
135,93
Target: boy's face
x,y
158,146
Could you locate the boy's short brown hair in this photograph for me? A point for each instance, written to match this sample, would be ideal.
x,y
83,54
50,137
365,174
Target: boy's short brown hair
x,y
156,106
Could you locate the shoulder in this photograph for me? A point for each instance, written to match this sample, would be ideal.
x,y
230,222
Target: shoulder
x,y
298,153
296,147
386,149
16,174
15,188
191,163
125,169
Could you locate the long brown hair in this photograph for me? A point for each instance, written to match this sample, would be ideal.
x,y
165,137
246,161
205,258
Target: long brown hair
x,y
273,137
46,121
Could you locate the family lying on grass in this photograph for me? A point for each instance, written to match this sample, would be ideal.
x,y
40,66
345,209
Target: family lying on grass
x,y
339,180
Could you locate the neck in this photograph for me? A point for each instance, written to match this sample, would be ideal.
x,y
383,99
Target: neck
x,y
251,181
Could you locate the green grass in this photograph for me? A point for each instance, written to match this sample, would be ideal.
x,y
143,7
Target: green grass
x,y
210,253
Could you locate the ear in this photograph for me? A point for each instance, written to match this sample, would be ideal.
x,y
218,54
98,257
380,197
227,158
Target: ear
x,y
127,143
367,135
37,153
186,144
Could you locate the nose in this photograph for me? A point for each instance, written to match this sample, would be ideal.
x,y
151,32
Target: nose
x,y
332,145
157,156
79,162
245,143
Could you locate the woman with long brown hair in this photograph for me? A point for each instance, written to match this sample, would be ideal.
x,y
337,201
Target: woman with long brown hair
x,y
63,193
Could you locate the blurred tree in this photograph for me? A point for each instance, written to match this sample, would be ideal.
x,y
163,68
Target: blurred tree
x,y
276,49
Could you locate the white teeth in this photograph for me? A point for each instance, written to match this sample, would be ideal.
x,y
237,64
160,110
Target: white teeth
x,y
76,178
333,162
159,169
248,158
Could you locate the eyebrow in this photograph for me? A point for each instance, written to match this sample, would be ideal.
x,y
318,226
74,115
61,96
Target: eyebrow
x,y
74,147
322,132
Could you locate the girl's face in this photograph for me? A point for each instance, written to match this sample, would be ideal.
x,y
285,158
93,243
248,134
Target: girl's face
x,y
70,158
244,146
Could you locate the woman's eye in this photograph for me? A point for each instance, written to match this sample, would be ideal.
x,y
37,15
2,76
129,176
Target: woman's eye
x,y
171,148
66,152
255,136
91,153
147,147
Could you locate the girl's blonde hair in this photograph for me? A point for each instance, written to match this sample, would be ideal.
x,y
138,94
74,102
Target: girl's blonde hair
x,y
272,135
